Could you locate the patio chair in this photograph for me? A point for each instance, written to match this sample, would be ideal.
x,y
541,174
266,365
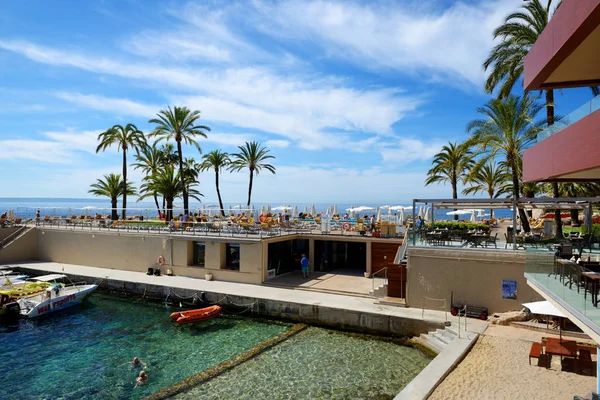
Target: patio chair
x,y
492,240
536,351
566,251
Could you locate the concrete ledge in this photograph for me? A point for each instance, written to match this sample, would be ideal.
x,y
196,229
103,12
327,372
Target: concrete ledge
x,y
425,383
323,309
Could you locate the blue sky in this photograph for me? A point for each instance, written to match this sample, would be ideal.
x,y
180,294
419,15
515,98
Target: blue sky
x,y
353,98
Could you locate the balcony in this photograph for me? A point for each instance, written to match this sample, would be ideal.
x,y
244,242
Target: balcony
x,y
583,111
564,282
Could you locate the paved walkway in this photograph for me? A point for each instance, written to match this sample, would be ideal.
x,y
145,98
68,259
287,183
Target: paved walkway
x,y
334,301
325,281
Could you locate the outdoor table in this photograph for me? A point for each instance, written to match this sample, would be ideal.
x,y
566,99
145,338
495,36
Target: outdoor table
x,y
562,348
595,278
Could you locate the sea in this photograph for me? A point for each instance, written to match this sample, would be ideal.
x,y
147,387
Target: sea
x,y
64,207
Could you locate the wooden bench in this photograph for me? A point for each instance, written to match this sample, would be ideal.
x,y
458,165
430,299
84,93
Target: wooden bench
x,y
535,352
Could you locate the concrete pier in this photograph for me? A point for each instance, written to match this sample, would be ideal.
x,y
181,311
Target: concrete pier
x,y
356,314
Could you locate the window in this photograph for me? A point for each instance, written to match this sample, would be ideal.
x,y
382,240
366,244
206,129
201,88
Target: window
x,y
199,254
232,256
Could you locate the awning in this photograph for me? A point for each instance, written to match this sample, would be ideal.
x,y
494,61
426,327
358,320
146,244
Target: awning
x,y
543,308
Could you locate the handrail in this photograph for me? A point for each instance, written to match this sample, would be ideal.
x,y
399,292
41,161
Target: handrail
x,y
9,239
374,276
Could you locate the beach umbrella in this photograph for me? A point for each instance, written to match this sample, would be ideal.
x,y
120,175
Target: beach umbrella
x,y
328,212
305,209
262,210
401,216
335,210
295,212
427,214
422,212
313,210
268,208
473,217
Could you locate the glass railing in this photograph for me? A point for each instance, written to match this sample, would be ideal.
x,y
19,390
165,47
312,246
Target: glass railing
x,y
568,120
566,283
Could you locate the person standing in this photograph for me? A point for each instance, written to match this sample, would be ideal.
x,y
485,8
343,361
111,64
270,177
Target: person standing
x,y
37,217
373,222
304,264
420,223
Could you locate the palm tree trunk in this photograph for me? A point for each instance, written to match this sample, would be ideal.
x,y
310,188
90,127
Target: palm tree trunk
x,y
157,205
124,184
218,191
185,194
113,203
455,196
557,228
574,217
522,214
169,209
250,186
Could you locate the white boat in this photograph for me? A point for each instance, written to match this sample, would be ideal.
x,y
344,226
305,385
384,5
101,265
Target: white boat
x,y
57,297
8,277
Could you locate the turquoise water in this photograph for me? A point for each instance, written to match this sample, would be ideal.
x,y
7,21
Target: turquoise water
x,y
77,354
319,364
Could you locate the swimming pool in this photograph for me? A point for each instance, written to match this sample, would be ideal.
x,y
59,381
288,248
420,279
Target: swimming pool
x,y
79,353
319,364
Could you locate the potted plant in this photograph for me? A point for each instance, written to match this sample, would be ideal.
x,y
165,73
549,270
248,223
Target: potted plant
x,y
208,276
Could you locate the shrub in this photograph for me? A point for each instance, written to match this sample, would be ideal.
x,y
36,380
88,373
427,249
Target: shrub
x,y
595,229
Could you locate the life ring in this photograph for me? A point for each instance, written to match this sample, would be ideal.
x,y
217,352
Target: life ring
x,y
262,218
162,217
160,260
346,226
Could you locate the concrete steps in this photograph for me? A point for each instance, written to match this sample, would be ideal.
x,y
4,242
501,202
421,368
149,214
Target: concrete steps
x,y
14,236
380,291
439,339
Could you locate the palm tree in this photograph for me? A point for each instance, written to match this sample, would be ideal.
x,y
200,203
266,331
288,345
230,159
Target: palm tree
x,y
216,160
113,187
578,189
506,130
517,35
123,137
252,156
150,159
179,124
488,178
451,165
167,182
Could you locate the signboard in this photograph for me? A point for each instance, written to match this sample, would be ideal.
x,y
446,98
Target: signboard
x,y
509,289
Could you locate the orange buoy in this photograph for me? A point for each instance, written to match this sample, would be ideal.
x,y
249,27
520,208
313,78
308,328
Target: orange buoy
x,y
202,314
346,226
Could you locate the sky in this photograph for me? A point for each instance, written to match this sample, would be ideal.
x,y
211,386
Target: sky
x,y
352,98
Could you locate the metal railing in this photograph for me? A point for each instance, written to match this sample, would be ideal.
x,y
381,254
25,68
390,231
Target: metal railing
x,y
213,227
379,282
13,236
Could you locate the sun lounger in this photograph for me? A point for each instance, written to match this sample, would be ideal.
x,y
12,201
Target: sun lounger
x,y
535,352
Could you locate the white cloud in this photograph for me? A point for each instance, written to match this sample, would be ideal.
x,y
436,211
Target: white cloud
x,y
278,143
229,139
405,37
62,149
118,106
407,150
296,108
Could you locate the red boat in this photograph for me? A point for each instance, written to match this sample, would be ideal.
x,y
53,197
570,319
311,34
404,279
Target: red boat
x,y
202,314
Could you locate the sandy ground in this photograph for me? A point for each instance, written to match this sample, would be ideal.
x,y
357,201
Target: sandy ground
x,y
498,368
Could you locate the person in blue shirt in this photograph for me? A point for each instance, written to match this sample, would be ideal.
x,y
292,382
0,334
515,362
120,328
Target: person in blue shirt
x,y
304,263
420,223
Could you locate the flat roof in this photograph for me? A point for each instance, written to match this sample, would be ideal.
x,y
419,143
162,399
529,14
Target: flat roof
x,y
566,53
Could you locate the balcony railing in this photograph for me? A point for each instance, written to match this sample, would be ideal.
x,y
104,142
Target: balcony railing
x,y
568,120
566,283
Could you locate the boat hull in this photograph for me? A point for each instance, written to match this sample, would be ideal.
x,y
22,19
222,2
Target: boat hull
x,y
32,307
202,314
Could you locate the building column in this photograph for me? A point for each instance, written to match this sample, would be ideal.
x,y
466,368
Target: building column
x,y
597,371
311,255
369,257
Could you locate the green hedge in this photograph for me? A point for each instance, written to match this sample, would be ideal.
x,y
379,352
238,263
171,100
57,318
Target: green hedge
x,y
595,229
462,226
